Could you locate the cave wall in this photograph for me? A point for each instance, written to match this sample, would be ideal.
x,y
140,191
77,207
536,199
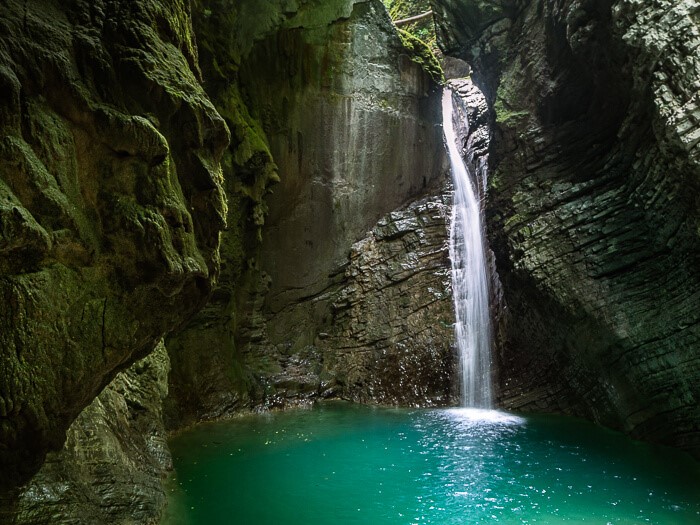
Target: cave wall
x,y
111,204
593,205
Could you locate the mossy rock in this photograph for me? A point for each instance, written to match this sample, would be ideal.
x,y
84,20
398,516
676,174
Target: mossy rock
x,y
421,54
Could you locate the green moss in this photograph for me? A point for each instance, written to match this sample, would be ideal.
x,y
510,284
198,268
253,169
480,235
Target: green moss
x,y
421,54
249,168
505,115
405,8
219,52
317,13
505,105
423,29
249,157
513,221
172,20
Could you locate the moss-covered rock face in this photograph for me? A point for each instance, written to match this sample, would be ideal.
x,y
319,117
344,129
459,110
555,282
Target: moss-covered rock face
x,y
421,54
338,110
350,120
111,467
593,207
111,204
423,28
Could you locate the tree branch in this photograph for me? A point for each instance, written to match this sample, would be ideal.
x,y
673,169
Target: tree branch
x,y
404,21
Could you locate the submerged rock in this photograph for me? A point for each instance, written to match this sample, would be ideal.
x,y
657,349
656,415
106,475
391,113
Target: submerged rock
x,y
593,209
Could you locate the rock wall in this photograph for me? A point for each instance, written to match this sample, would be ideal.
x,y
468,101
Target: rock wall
x,y
593,204
384,333
111,204
347,119
111,467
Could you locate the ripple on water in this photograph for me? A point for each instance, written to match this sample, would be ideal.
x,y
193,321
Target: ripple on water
x,y
348,464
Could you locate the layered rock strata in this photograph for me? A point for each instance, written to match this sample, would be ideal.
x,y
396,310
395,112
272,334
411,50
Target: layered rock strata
x,y
111,204
384,333
111,467
594,212
348,120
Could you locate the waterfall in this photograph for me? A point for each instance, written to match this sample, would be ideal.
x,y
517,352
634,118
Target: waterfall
x,y
469,274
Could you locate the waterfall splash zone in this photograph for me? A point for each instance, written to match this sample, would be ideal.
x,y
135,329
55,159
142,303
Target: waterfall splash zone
x,y
469,274
351,464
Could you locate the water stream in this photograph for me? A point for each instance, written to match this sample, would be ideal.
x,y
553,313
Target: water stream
x,y
469,274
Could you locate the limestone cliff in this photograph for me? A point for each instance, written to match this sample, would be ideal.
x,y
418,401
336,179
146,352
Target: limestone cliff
x,y
347,119
593,204
111,467
111,204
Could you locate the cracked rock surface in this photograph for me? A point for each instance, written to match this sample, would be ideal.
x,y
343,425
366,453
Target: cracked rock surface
x,y
111,467
352,123
594,209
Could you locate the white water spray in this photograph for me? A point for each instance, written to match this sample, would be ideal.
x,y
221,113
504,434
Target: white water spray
x,y
469,275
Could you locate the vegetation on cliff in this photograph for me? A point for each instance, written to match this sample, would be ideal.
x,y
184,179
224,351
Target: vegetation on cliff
x,y
112,204
423,28
418,36
422,55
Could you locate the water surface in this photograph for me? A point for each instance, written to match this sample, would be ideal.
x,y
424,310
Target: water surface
x,y
349,464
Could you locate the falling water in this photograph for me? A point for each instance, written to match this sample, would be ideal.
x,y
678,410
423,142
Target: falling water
x,y
469,275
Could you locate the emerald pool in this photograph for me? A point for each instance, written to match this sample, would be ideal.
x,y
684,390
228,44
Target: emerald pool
x,y
344,463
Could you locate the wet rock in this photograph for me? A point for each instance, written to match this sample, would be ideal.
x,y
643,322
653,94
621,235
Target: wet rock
x,y
348,123
382,332
593,208
115,456
110,204
352,128
391,335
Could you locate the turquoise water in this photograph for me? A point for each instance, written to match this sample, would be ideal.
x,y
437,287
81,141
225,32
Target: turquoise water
x,y
349,464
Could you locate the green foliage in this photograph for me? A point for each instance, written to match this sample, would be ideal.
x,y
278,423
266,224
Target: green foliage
x,y
422,55
404,8
422,29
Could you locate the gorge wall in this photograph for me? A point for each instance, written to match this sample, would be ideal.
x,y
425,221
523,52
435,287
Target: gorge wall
x,y
111,204
111,467
593,204
335,285
327,273
339,297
